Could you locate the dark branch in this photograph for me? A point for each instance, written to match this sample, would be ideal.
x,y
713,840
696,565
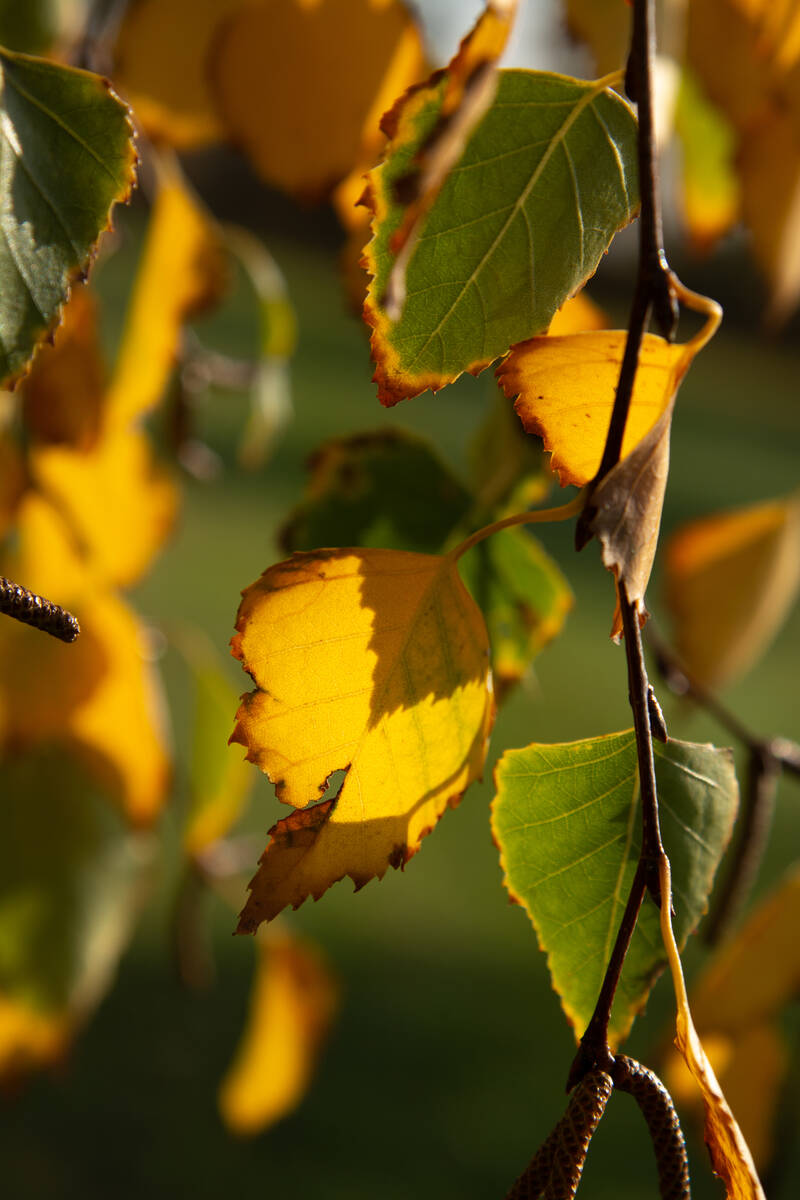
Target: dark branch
x,y
30,609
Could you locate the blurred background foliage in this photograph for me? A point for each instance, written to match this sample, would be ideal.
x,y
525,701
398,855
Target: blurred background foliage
x,y
445,1064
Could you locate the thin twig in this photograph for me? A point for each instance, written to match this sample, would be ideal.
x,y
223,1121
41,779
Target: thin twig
x,y
654,291
25,606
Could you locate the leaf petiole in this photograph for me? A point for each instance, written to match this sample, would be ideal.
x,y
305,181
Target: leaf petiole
x,y
538,516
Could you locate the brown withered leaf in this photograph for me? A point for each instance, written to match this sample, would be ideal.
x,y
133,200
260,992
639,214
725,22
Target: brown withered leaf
x,y
627,507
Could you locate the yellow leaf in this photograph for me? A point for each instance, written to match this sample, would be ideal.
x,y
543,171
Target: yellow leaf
x,y
161,65
710,191
606,26
578,315
64,392
736,1003
119,502
182,271
97,697
730,1155
565,389
323,114
769,169
292,1003
731,580
370,661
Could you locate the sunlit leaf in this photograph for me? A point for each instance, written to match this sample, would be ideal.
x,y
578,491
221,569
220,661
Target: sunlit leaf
x,y
70,879
161,66
579,314
314,134
218,778
67,158
523,596
735,1005
182,272
565,389
374,662
471,86
63,394
567,819
709,187
98,697
500,250
291,1006
731,580
730,1155
359,495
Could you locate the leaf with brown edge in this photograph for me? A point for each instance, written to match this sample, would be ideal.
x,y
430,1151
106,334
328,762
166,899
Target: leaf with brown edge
x,y
332,68
736,1005
182,271
565,389
471,85
374,662
518,226
627,504
292,1002
731,580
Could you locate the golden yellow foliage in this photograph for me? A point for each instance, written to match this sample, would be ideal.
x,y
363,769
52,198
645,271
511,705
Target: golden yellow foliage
x,y
301,136
731,579
565,389
96,697
291,1006
161,66
29,1039
579,314
369,661
182,272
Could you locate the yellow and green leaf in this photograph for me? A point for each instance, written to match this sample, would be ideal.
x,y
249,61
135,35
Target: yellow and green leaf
x,y
371,662
518,226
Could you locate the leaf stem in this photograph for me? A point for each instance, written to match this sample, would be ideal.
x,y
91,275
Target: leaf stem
x,y
538,516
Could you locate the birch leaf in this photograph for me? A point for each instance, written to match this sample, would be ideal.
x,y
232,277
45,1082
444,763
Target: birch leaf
x,y
67,158
567,821
518,226
374,662
565,389
292,1002
731,580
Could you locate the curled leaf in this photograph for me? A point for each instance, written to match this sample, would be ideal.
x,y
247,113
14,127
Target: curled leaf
x,y
374,662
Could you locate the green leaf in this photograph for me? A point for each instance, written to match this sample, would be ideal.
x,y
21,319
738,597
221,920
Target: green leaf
x,y
523,596
70,875
66,155
545,181
567,820
386,489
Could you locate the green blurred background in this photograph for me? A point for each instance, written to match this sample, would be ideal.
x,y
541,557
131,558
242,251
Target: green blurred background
x,y
446,1065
